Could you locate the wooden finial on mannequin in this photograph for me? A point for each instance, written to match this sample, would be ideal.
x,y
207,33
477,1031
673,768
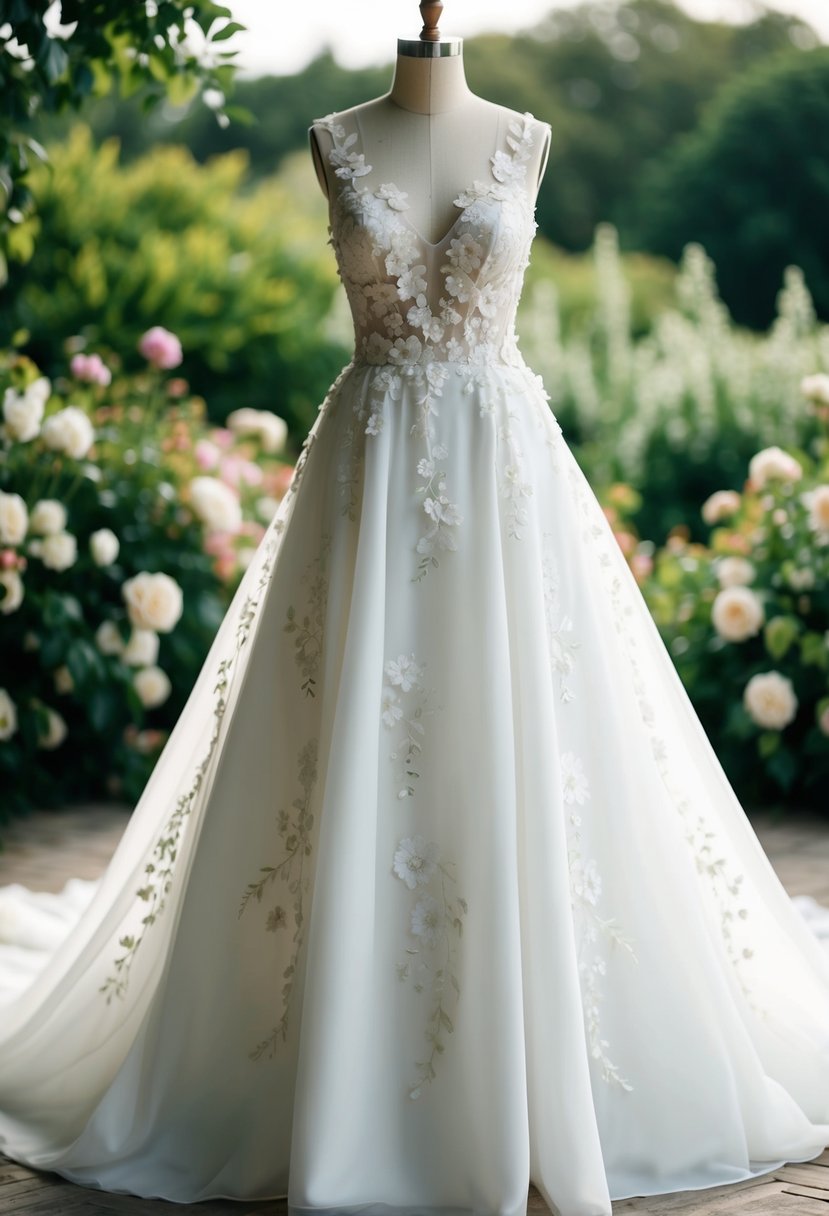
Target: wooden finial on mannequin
x,y
430,11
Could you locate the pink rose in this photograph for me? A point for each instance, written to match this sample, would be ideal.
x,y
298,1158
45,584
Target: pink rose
x,y
160,348
8,559
223,437
90,368
207,454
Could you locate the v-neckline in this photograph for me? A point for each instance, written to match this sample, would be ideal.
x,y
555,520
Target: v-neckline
x,y
432,245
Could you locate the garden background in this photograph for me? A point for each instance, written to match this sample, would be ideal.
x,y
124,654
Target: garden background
x,y
171,318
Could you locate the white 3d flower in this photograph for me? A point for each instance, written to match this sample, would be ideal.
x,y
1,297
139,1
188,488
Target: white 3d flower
x,y
428,920
415,860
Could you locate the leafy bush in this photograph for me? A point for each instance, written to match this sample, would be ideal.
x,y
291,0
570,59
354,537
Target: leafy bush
x,y
243,278
125,524
746,619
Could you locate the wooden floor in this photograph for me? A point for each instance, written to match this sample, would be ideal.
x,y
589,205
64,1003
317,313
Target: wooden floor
x,y
42,852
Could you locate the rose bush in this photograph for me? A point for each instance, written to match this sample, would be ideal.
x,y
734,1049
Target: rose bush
x,y
126,521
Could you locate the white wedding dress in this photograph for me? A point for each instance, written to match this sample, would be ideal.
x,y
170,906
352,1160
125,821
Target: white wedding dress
x,y
438,886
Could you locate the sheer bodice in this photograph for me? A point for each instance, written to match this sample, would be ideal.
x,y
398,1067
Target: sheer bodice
x,y
414,301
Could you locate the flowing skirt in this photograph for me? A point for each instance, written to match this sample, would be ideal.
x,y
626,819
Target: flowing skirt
x,y
438,887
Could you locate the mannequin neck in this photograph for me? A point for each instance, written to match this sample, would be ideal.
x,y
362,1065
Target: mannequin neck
x,y
429,86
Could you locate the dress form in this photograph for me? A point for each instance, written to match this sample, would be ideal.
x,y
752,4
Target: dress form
x,y
432,134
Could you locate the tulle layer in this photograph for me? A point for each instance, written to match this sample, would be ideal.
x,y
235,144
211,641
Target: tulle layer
x,y
438,886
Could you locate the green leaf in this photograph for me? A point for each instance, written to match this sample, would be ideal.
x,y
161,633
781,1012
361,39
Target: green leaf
x,y
227,31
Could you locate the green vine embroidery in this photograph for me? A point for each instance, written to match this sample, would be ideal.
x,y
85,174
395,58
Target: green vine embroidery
x,y
436,922
160,869
294,826
308,629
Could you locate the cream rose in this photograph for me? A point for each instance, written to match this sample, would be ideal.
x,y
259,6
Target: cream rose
x,y
267,427
737,614
69,431
8,715
720,505
108,638
55,732
48,516
23,412
154,601
215,504
152,685
59,551
770,701
773,464
141,649
816,388
14,519
11,585
734,571
819,509
104,547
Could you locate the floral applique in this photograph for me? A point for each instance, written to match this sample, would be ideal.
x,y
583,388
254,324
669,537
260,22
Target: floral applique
x,y
585,895
294,827
435,928
561,646
404,710
308,625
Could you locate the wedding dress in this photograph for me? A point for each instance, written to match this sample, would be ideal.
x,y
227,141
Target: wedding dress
x,y
438,886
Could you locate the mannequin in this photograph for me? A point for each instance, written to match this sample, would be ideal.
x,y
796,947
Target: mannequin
x,y
433,135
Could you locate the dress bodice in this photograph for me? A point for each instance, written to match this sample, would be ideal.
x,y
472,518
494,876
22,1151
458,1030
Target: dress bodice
x,y
414,301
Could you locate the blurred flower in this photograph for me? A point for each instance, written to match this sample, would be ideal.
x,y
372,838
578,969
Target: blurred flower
x,y
153,686
69,431
215,504
23,412
823,719
58,551
737,614
267,507
14,519
8,715
141,649
12,586
770,700
90,368
207,454
734,571
641,565
816,388
773,464
108,638
160,347
626,542
154,601
268,428
104,546
177,386
55,731
63,679
48,516
818,504
720,505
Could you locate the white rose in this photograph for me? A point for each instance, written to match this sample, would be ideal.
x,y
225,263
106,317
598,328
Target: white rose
x,y
108,638
734,571
142,648
55,731
12,586
63,679
770,700
215,504
773,464
720,505
69,431
59,551
819,509
48,516
23,412
8,715
104,547
154,601
14,519
816,388
269,428
737,614
152,685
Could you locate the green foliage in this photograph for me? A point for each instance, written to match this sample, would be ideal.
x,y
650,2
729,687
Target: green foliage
x,y
100,43
242,277
769,547
675,400
751,184
88,693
